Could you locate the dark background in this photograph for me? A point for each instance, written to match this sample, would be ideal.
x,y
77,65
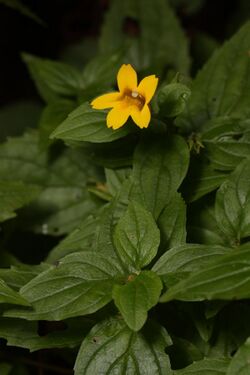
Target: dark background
x,y
69,21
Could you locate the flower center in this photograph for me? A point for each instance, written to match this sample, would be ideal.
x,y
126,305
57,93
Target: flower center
x,y
134,98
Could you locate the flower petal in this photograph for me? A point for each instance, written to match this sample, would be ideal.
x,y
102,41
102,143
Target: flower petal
x,y
127,78
117,117
147,87
106,100
142,118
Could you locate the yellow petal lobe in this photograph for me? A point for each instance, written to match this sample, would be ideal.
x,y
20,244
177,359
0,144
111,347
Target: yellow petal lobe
x,y
117,117
106,100
126,78
142,118
147,87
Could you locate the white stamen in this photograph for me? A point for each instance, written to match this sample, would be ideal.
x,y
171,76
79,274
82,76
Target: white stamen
x,y
134,94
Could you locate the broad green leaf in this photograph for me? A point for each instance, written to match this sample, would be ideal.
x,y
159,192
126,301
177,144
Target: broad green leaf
x,y
14,195
52,116
219,89
64,201
160,41
232,206
53,79
227,142
181,261
226,278
24,334
115,179
135,298
8,295
172,99
19,275
112,348
89,125
80,284
240,364
160,166
136,237
172,223
207,366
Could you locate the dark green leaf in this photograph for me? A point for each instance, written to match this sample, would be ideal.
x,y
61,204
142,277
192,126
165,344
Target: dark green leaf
x,y
172,99
220,90
136,237
23,9
172,223
5,368
226,278
179,262
160,165
54,79
112,348
232,207
89,125
14,195
138,296
207,366
81,284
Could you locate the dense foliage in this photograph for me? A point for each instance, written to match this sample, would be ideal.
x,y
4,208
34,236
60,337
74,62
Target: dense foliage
x,y
146,261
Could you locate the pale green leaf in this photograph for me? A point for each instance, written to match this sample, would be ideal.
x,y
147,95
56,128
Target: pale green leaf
x,y
8,295
240,364
207,366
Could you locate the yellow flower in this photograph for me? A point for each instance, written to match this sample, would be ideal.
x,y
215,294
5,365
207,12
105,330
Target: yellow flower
x,y
131,99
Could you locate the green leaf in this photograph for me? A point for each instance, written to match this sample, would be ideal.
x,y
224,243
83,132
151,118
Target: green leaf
x,y
14,195
136,237
227,142
172,223
240,364
52,116
7,295
24,334
64,201
160,41
53,79
112,348
19,275
218,90
181,261
172,99
232,208
160,166
226,278
138,296
81,284
207,366
89,125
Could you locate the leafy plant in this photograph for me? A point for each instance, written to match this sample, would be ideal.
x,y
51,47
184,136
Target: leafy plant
x,y
147,267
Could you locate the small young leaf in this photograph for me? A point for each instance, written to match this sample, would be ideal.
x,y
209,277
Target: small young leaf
x,y
112,348
7,295
172,99
207,366
240,364
89,125
226,278
136,237
81,284
137,297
